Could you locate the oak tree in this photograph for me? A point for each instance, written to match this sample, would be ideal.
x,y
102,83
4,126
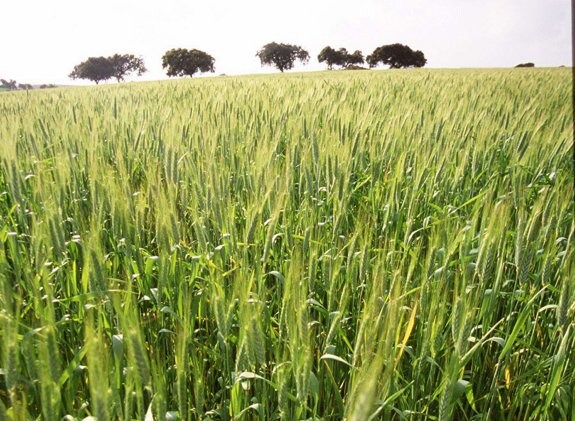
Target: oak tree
x,y
183,62
95,69
396,56
125,64
282,56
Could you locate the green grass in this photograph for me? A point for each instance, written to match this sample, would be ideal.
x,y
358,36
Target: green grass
x,y
358,245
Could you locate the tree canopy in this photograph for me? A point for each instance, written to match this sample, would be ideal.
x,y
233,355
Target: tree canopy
x,y
118,66
95,69
396,56
183,62
339,57
282,56
9,85
330,56
125,64
12,85
356,58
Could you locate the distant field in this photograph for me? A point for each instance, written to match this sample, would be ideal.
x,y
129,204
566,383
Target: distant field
x,y
346,245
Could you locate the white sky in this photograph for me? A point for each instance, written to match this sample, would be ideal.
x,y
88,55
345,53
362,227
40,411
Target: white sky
x,y
42,40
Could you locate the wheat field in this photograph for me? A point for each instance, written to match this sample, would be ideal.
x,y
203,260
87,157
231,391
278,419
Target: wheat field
x,y
356,245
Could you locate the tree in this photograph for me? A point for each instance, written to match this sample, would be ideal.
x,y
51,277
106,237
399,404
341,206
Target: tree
x,y
282,56
330,56
103,68
125,64
526,65
11,85
183,62
339,58
95,69
354,59
397,56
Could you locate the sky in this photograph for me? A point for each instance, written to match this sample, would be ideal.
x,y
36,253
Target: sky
x,y
41,41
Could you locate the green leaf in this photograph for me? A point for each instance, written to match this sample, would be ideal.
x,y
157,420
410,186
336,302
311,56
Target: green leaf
x,y
335,358
459,388
313,384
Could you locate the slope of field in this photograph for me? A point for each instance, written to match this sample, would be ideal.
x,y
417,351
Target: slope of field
x,y
358,245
